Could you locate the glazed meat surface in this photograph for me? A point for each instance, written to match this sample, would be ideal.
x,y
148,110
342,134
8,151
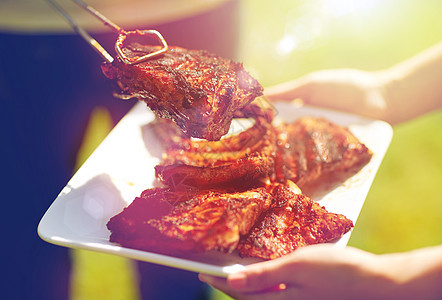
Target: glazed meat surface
x,y
243,157
304,151
264,222
198,90
175,222
311,148
244,171
293,221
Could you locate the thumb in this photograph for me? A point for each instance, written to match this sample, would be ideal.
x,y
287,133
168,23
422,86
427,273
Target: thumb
x,y
290,90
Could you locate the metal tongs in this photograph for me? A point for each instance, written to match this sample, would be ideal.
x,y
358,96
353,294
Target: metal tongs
x,y
122,35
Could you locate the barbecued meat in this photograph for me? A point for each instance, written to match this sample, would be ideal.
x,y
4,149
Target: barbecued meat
x,y
175,222
198,90
293,221
243,171
239,158
311,148
304,151
264,222
244,157
259,113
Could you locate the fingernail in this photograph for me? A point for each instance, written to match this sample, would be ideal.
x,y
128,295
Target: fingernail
x,y
237,280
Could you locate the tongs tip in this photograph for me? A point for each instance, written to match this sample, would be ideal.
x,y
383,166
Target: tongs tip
x,y
136,60
121,37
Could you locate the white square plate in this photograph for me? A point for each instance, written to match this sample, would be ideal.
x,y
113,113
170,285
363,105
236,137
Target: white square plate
x,y
123,166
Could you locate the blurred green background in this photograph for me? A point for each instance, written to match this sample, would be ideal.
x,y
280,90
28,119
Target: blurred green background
x,y
284,39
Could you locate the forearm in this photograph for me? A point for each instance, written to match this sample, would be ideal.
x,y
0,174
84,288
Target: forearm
x,y
418,273
414,87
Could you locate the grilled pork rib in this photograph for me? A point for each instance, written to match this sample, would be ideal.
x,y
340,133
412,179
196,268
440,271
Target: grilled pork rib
x,y
198,90
311,148
244,157
174,222
303,151
293,221
264,222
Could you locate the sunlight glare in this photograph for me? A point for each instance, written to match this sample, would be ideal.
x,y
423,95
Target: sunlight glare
x,y
309,26
286,45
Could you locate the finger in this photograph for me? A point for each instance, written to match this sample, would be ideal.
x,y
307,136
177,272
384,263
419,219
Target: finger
x,y
263,276
280,292
287,91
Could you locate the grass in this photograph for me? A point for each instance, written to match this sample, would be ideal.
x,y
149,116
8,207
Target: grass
x,y
403,210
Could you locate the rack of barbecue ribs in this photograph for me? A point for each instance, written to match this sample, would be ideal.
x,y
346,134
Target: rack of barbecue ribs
x,y
303,151
292,221
178,221
265,221
310,149
198,90
246,156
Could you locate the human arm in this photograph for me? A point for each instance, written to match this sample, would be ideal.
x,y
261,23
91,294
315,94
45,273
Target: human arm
x,y
397,94
326,272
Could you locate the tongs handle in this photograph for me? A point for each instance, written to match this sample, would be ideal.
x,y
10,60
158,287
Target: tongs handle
x,y
90,40
101,17
122,35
